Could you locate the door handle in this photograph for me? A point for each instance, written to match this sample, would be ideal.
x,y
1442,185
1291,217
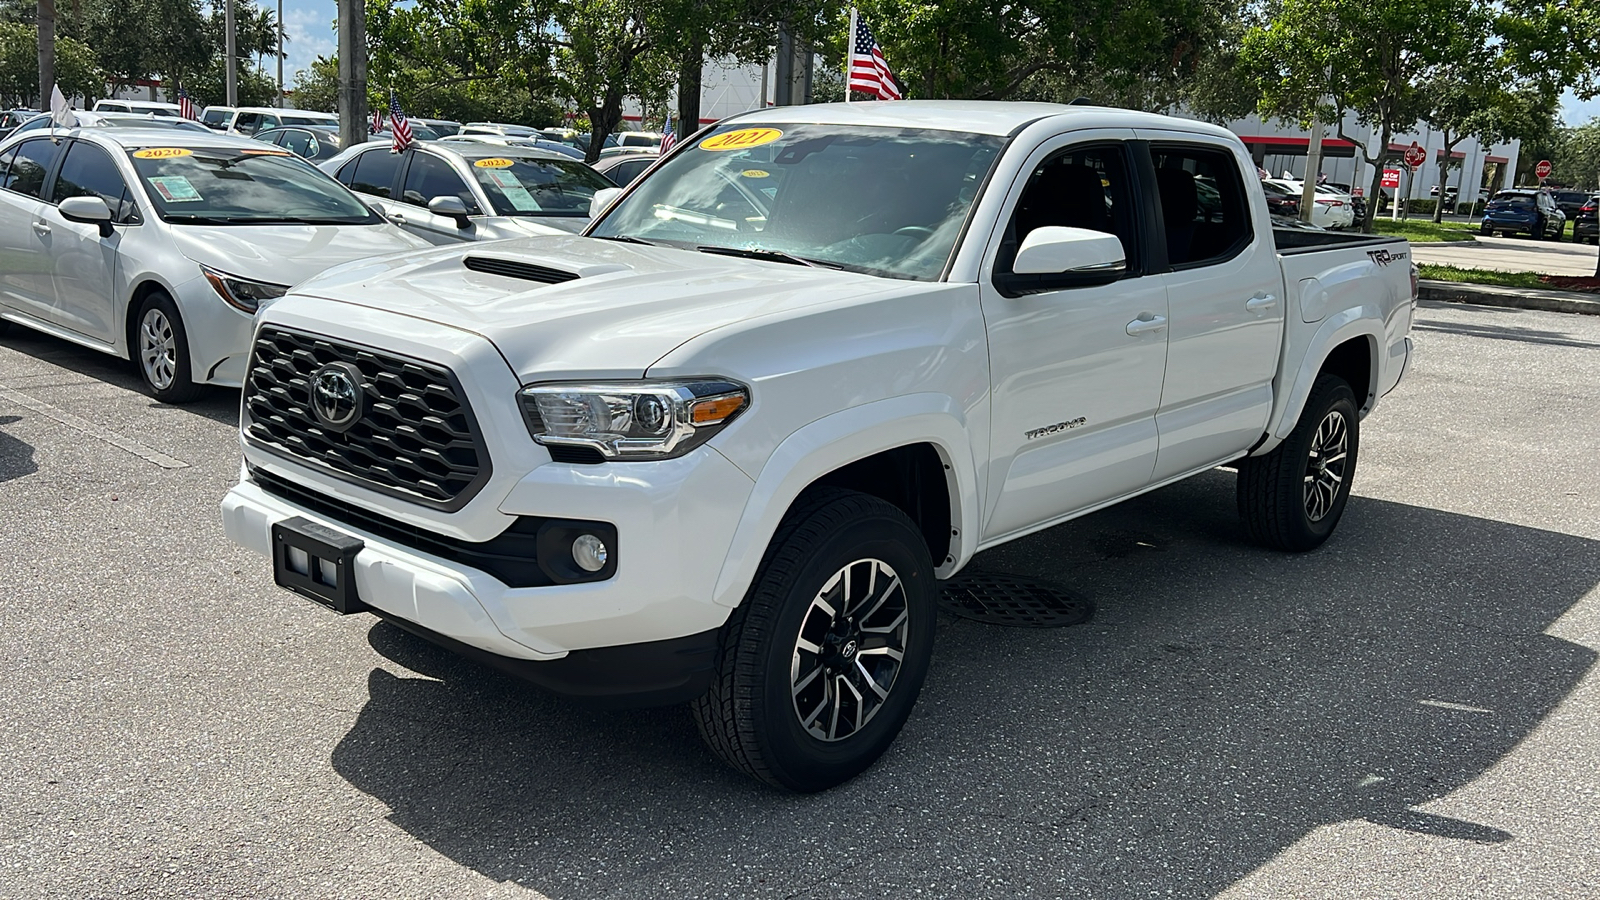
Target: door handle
x,y
41,228
1144,325
1261,303
396,217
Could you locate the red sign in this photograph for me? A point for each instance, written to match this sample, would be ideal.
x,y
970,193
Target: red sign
x,y
1543,169
1391,178
1415,155
1358,192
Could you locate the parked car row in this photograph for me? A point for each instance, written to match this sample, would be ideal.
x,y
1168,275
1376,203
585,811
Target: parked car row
x,y
1522,211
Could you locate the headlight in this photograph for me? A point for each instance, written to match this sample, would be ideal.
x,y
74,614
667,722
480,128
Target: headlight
x,y
242,293
632,420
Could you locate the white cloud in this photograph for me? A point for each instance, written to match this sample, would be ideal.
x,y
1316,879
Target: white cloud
x,y
311,34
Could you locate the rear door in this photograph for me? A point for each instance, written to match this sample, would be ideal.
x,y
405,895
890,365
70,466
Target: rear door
x,y
26,241
372,174
1075,373
1223,285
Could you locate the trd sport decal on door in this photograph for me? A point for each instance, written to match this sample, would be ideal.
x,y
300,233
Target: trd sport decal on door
x,y
1384,257
1052,429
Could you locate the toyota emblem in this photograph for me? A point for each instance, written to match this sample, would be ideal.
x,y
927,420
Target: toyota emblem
x,y
336,395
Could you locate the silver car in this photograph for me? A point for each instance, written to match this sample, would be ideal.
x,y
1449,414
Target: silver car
x,y
159,245
448,191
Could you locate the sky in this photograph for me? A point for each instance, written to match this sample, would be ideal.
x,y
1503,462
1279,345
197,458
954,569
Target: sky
x,y
311,34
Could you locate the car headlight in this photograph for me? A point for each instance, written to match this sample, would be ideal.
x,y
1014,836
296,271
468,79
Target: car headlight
x,y
632,420
242,293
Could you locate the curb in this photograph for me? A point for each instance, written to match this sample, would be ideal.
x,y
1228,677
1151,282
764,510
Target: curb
x,y
1513,298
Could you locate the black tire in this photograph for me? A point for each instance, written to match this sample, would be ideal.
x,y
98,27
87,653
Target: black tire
x,y
1486,230
164,367
1272,493
751,716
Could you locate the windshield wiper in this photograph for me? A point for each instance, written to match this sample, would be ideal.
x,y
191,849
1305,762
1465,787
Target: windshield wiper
x,y
762,253
624,239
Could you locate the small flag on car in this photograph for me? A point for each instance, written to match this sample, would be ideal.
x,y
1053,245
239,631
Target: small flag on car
x,y
377,120
399,125
668,135
185,105
869,71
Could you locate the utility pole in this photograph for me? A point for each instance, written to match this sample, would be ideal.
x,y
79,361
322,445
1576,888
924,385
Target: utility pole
x,y
353,72
792,71
280,54
46,18
1308,191
231,51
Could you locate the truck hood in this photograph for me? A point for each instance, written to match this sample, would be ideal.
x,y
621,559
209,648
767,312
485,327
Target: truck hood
x,y
625,307
287,254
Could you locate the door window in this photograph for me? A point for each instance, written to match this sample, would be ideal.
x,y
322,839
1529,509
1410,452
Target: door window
x,y
430,177
1082,187
247,123
374,172
1204,211
29,167
297,142
89,172
5,168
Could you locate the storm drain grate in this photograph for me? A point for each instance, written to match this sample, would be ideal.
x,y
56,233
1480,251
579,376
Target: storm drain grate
x,y
1010,600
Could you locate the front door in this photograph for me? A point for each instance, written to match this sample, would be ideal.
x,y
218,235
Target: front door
x,y
429,176
1076,373
84,264
1224,290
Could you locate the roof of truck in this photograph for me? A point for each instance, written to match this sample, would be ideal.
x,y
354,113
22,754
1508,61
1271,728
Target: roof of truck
x,y
971,116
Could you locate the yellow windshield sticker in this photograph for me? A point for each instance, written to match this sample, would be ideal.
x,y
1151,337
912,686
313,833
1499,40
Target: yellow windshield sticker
x,y
494,163
162,153
742,139
755,173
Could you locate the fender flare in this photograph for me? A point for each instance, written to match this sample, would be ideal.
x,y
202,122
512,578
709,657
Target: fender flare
x,y
837,440
1343,326
124,311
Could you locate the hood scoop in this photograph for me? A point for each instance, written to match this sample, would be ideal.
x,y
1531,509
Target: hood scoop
x,y
526,271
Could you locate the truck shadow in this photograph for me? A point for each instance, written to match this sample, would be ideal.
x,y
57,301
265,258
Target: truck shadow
x,y
1224,702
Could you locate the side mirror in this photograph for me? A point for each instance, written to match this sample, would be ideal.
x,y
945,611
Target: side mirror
x,y
452,207
91,210
602,199
1054,250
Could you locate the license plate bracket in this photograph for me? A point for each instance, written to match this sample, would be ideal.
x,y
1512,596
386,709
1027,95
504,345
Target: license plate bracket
x,y
317,563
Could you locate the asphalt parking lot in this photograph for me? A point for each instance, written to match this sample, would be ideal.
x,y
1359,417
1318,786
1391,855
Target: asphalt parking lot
x,y
1411,711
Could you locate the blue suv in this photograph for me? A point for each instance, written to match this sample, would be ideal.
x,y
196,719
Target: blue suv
x,y
1534,212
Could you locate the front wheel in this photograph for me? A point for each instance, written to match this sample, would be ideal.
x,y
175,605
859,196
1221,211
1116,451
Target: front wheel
x,y
822,662
1292,498
161,351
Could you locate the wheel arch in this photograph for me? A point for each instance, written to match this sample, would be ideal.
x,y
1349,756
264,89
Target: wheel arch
x,y
142,289
920,438
1347,344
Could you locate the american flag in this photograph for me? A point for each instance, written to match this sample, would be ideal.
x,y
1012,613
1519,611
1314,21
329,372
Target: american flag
x,y
185,105
398,124
668,136
869,71
377,119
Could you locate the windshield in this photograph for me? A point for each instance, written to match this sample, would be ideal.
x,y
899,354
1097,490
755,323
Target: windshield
x,y
519,186
225,186
887,201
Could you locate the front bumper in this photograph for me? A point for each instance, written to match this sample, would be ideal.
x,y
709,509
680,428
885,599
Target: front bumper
x,y
674,521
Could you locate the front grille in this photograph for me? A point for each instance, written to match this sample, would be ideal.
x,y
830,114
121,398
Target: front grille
x,y
416,438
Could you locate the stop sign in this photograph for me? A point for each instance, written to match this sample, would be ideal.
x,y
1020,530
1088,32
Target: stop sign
x,y
1415,155
1543,169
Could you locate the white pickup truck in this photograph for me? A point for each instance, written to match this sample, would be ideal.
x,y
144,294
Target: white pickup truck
x,y
720,449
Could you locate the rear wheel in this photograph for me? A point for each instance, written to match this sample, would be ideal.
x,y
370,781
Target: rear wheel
x,y
161,351
1293,497
822,662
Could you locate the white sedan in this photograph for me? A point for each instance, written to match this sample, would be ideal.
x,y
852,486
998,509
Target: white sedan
x,y
160,245
452,191
1333,208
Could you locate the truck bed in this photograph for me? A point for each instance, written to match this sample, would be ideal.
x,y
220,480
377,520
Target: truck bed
x,y
1299,240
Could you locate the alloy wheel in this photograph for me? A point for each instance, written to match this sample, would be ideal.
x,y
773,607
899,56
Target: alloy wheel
x,y
850,649
1326,465
158,355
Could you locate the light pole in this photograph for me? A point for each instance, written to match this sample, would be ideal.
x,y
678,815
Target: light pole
x,y
231,52
280,54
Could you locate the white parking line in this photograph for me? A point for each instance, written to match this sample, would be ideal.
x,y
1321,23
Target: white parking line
x,y
91,429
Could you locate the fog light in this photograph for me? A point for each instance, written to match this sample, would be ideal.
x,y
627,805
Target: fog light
x,y
589,552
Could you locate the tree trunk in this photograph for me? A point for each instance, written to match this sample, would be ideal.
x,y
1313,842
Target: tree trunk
x,y
1444,175
689,71
602,121
46,15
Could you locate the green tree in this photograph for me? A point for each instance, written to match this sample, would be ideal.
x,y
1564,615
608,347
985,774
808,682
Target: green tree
x,y
1325,59
19,68
317,88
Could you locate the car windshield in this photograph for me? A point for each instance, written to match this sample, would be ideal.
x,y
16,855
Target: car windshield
x,y
520,186
886,201
227,186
